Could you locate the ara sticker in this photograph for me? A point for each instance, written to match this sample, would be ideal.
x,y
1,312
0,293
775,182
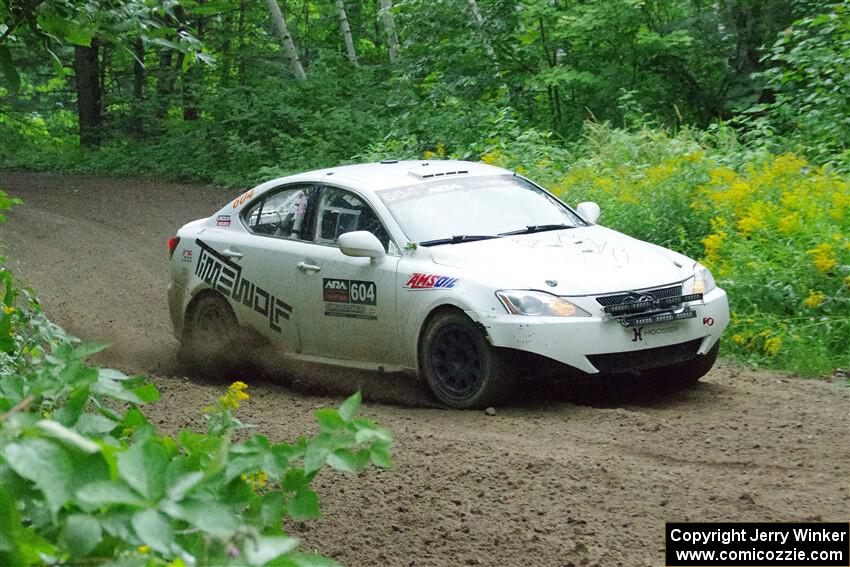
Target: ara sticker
x,y
430,281
355,299
187,255
222,220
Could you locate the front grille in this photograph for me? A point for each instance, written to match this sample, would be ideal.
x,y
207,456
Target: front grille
x,y
616,362
606,300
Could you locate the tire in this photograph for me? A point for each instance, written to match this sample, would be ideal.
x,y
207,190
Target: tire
x,y
460,366
686,374
209,336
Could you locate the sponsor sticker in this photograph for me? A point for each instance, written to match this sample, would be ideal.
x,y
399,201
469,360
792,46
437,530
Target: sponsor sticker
x,y
356,299
419,280
708,321
222,220
639,332
187,255
224,275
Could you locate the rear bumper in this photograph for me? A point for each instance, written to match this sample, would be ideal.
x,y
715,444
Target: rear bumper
x,y
597,344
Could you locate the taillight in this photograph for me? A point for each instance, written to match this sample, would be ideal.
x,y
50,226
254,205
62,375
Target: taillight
x,y
172,245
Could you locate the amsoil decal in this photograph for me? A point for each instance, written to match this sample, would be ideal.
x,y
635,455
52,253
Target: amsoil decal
x,y
222,220
357,299
224,275
430,281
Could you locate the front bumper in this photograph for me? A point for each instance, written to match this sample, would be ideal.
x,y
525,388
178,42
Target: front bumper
x,y
580,341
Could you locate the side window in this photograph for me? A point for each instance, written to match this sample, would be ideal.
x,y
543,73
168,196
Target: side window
x,y
282,213
341,212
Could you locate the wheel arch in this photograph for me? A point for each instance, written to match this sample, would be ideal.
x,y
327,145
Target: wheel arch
x,y
196,298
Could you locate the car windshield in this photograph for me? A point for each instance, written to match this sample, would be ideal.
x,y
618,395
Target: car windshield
x,y
481,206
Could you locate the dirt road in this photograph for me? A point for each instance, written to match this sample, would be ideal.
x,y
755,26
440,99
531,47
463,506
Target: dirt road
x,y
562,477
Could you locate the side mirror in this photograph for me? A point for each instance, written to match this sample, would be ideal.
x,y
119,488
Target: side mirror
x,y
589,211
361,244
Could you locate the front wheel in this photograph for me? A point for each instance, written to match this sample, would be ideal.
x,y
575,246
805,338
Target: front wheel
x,y
462,369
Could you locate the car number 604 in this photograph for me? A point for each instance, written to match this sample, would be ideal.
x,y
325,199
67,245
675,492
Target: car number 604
x,y
363,292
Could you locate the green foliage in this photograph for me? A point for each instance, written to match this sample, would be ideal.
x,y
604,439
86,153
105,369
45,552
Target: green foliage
x,y
810,74
86,479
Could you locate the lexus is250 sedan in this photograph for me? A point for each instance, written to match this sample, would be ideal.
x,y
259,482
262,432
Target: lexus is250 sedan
x,y
458,271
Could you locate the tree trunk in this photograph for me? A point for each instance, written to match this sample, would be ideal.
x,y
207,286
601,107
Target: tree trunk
x,y
346,33
286,41
479,20
86,68
389,28
138,69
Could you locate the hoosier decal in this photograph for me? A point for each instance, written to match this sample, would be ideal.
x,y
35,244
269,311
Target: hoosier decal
x,y
430,281
224,275
356,299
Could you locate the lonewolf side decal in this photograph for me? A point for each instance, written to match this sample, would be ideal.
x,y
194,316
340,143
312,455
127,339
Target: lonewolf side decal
x,y
224,275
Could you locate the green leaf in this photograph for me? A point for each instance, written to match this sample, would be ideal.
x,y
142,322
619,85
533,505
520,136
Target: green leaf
x,y
143,467
94,425
263,549
304,505
147,393
349,407
344,460
46,464
318,449
380,455
183,485
10,522
82,534
329,419
210,517
107,493
154,530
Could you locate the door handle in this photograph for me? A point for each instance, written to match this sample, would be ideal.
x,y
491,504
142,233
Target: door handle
x,y
231,253
305,267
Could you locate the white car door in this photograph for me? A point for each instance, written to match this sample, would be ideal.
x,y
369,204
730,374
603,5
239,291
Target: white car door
x,y
262,278
348,304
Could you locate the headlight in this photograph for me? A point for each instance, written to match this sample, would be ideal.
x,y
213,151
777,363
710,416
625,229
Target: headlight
x,y
525,302
703,280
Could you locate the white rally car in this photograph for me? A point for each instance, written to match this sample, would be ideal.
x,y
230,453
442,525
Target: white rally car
x,y
463,272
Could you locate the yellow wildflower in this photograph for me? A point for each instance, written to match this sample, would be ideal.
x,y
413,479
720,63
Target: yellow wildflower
x,y
823,257
143,549
234,396
815,299
713,243
256,480
427,154
739,339
492,157
790,223
772,346
847,281
441,149
8,310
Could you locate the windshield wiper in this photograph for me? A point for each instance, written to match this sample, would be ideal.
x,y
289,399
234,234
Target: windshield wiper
x,y
458,239
532,228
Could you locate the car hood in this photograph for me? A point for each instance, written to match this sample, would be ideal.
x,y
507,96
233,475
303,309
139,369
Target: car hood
x,y
578,261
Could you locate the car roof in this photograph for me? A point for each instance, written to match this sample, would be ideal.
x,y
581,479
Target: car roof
x,y
389,174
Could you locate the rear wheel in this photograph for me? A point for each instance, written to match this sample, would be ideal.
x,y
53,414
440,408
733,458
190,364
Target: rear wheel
x,y
209,336
686,374
462,369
